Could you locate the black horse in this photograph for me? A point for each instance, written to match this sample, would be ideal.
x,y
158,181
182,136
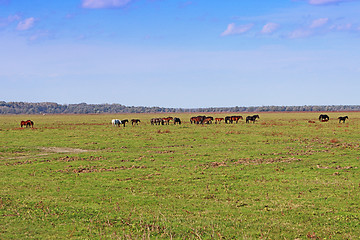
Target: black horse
x,y
324,118
123,122
343,119
252,118
177,121
228,119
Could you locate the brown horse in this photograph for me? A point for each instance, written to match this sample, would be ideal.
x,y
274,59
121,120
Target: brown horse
x,y
218,120
197,120
236,118
27,123
208,120
167,120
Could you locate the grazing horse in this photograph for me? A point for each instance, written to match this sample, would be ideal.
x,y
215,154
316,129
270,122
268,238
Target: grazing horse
x,y
23,123
27,123
167,120
252,118
116,122
208,120
236,118
123,122
228,119
197,120
324,118
135,121
157,121
177,121
218,120
343,119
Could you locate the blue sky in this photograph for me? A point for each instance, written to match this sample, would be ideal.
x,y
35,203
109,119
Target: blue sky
x,y
175,53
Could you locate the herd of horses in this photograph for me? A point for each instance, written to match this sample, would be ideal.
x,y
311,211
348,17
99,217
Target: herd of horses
x,y
193,120
210,120
227,119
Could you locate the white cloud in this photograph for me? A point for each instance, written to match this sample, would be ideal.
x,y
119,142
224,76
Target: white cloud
x,y
324,2
232,29
26,24
319,22
269,28
104,3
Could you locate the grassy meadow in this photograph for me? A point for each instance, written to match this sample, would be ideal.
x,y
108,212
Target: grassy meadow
x,y
78,177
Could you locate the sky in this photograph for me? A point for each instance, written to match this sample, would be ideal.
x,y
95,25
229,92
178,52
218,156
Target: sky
x,y
181,53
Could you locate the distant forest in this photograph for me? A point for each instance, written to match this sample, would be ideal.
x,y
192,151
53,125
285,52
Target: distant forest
x,y
84,108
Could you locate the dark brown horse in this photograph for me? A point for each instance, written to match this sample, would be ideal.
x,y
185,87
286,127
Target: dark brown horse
x,y
343,119
324,118
177,121
135,121
252,118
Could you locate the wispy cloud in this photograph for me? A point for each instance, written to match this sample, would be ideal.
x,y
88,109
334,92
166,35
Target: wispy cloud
x,y
269,28
300,33
232,29
104,3
26,24
341,27
325,2
9,19
319,22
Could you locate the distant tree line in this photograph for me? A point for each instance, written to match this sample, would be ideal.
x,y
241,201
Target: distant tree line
x,y
84,108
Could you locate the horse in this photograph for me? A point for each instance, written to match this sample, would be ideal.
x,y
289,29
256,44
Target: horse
x,y
27,123
116,122
252,118
228,119
124,121
23,123
208,120
218,120
167,120
324,118
177,121
236,118
157,121
343,119
197,120
135,121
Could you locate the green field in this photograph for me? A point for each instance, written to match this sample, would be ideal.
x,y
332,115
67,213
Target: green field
x,y
78,177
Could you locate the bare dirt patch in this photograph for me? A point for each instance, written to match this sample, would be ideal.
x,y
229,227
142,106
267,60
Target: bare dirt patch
x,y
63,150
